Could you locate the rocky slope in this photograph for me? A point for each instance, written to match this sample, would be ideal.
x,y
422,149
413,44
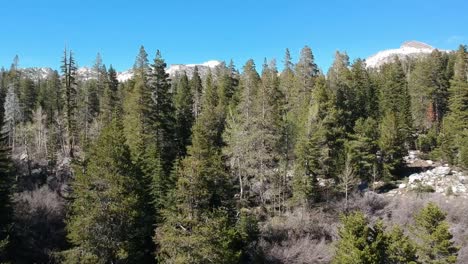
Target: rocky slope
x,y
433,177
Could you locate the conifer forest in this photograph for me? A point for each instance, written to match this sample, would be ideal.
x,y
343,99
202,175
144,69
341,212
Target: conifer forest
x,y
261,162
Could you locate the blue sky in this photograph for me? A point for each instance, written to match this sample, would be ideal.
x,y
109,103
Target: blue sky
x,y
198,31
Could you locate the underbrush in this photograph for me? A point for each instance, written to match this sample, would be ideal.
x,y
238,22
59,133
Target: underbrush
x,y
307,235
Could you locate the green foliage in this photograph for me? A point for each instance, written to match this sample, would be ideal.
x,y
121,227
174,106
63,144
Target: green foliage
x,y
363,147
391,144
183,102
454,134
108,231
434,237
198,226
401,249
428,141
395,99
197,91
253,133
428,84
161,120
209,239
110,102
6,190
359,242
27,97
69,69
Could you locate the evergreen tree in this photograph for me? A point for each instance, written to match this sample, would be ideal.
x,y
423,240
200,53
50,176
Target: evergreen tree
x,y
198,228
363,147
138,116
432,230
394,97
183,101
69,83
396,123
339,78
109,231
401,249
51,99
110,102
391,143
454,137
27,98
137,105
305,72
360,243
286,86
428,84
364,93
252,134
270,101
6,189
161,112
197,90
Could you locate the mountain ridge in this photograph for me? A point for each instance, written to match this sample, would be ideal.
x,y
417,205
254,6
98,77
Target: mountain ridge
x,y
411,49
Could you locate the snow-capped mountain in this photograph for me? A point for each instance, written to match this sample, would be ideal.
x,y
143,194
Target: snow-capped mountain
x,y
409,49
88,73
37,73
173,69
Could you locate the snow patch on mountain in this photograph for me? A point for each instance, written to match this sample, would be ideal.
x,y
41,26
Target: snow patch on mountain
x,y
407,49
37,73
173,69
125,75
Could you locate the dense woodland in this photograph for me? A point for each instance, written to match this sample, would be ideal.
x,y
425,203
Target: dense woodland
x,y
249,165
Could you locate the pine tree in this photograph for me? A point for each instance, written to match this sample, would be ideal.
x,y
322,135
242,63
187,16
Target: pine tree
x,y
394,97
110,102
183,101
198,228
363,147
197,90
51,98
360,243
396,124
286,84
69,83
136,106
391,143
109,231
252,134
6,189
455,128
27,98
428,84
138,113
305,74
339,81
269,104
432,230
365,98
401,249
161,112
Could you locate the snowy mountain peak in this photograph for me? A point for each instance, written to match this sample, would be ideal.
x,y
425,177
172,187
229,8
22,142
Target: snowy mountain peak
x,y
173,69
407,49
37,73
416,45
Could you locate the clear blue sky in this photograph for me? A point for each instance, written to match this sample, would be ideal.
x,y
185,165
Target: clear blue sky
x,y
197,31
